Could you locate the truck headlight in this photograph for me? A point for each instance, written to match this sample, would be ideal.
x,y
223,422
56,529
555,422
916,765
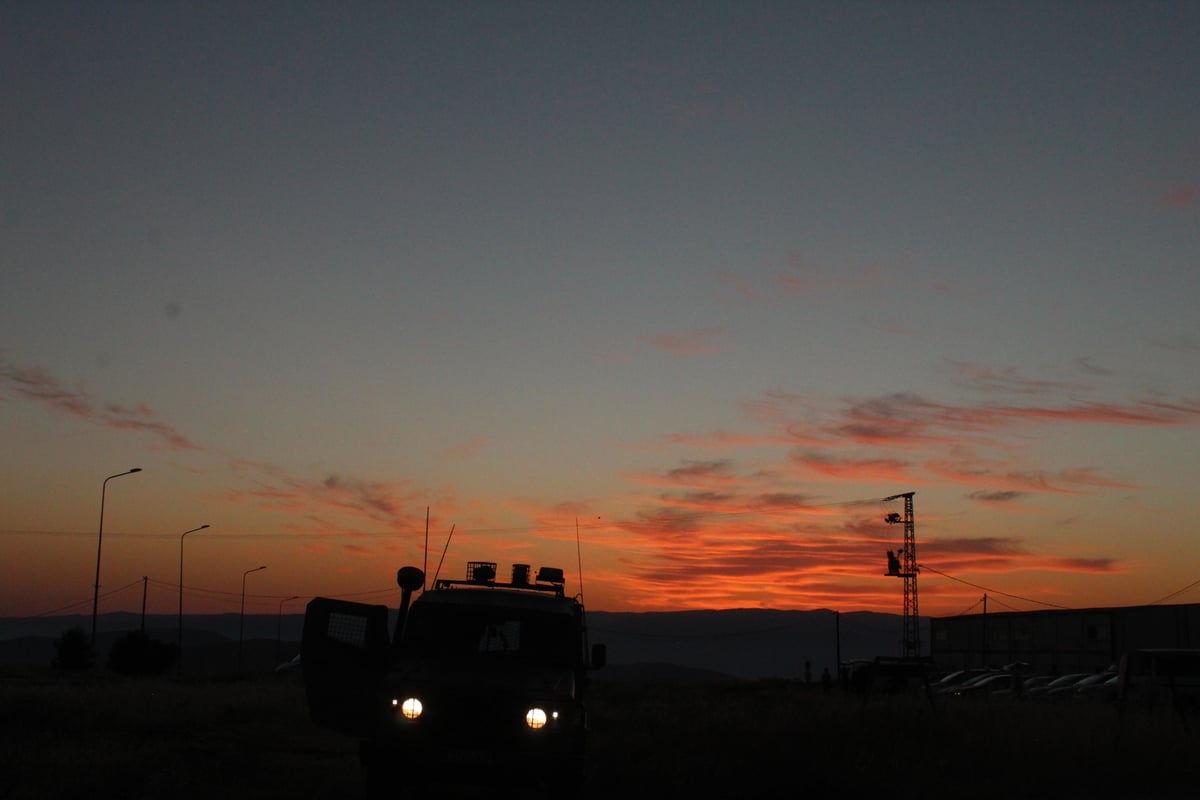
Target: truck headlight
x,y
535,718
410,707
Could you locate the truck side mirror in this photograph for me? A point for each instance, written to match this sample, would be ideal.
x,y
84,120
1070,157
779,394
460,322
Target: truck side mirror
x,y
409,579
599,656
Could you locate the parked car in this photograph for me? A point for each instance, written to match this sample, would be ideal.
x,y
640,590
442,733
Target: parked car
x,y
1034,683
959,677
1055,688
1102,686
987,685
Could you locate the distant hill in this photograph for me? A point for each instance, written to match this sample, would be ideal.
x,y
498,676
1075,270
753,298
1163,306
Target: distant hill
x,y
688,645
227,626
747,643
210,642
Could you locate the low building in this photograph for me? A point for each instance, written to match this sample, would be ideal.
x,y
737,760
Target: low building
x,y
1057,640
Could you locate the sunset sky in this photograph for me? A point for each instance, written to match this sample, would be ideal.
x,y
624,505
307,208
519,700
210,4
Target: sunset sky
x,y
694,285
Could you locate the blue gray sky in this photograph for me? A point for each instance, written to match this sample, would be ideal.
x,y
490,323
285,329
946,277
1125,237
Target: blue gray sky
x,y
691,284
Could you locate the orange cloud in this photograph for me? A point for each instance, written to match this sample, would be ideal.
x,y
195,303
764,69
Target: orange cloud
x,y
686,344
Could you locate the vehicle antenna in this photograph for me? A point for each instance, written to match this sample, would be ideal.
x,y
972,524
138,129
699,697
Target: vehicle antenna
x,y
443,558
425,568
579,558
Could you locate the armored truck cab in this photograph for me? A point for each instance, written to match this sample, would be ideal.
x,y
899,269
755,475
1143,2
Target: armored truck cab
x,y
480,680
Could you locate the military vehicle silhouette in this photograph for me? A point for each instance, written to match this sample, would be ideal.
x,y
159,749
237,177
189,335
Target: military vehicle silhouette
x,y
479,682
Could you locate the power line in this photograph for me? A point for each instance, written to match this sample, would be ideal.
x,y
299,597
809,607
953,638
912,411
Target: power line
x,y
658,518
392,534
968,609
59,610
1173,594
198,590
175,586
1006,605
994,591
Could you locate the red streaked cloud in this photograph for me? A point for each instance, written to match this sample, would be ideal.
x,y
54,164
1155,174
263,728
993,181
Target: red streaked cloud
x,y
1178,344
1104,566
726,522
859,469
1086,476
901,418
1008,381
1180,197
395,505
807,280
717,538
693,559
723,440
697,343
741,524
907,419
997,498
1004,554
1145,412
741,285
1004,486
468,448
701,474
336,504
40,387
981,546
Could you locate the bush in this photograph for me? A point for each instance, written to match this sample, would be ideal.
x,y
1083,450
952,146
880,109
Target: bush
x,y
138,654
73,650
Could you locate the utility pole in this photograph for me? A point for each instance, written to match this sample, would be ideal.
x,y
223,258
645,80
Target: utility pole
x,y
837,632
983,654
906,567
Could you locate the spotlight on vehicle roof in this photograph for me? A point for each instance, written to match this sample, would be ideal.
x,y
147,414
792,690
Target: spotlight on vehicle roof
x,y
410,578
552,575
481,571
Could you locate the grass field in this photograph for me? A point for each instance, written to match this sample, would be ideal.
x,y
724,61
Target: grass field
x,y
96,734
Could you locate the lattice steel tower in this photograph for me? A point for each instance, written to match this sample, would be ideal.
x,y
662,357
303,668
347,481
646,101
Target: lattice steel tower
x,y
906,567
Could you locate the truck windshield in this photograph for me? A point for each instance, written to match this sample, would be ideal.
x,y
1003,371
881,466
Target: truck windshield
x,y
456,630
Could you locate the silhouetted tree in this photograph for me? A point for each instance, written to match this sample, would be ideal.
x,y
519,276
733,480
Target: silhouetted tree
x,y
73,650
137,654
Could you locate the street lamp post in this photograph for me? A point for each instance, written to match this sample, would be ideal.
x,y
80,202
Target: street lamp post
x,y
279,626
242,620
99,541
179,657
